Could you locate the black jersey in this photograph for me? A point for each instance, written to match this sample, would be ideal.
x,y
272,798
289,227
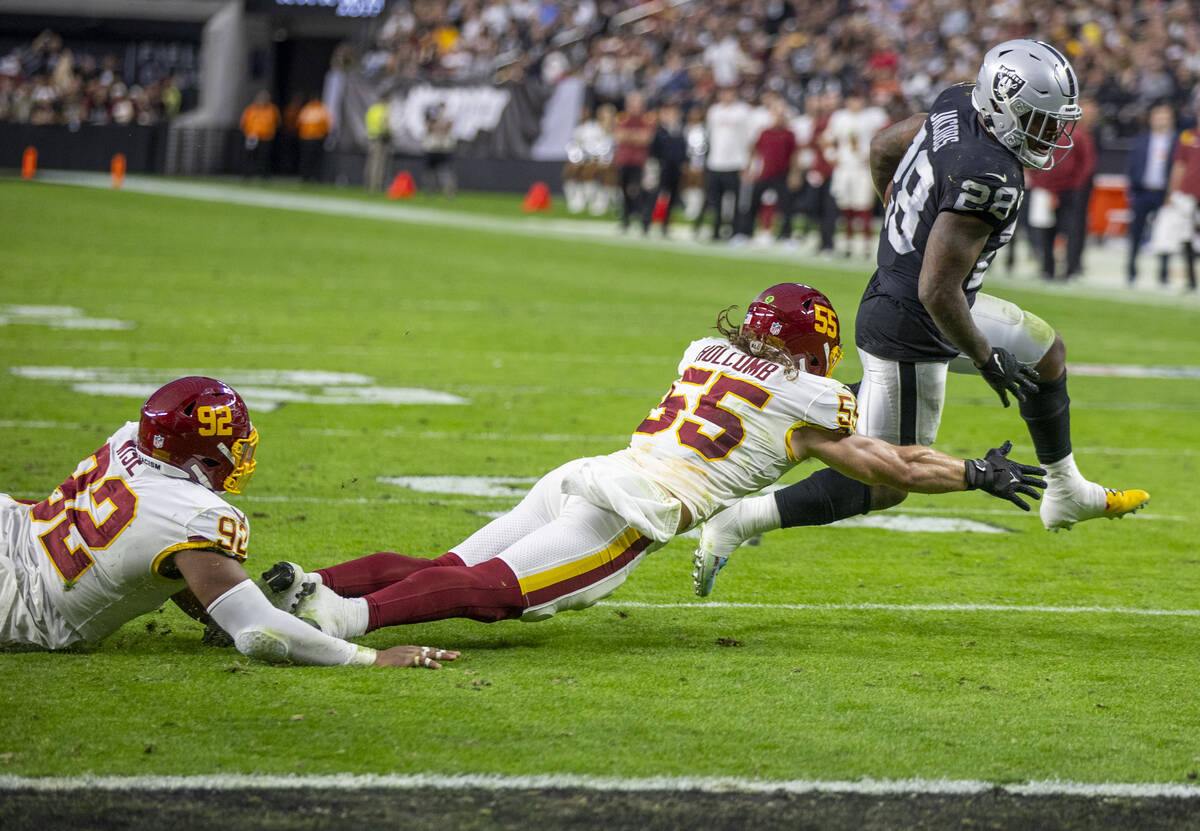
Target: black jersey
x,y
953,164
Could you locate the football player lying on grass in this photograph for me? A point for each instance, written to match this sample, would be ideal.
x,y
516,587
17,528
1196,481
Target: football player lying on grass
x,y
142,520
746,407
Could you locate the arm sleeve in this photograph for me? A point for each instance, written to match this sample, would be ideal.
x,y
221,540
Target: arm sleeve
x,y
261,631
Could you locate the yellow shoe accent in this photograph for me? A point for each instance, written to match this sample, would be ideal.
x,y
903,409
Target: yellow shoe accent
x,y
1119,503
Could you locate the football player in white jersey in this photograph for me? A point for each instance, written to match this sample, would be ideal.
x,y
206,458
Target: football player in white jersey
x,y
143,519
746,407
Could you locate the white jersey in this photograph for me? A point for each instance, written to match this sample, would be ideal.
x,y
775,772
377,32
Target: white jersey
x,y
592,142
851,131
723,429
729,136
97,552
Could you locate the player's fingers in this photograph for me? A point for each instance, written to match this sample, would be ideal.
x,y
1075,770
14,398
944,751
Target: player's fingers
x,y
1003,397
439,654
1018,501
1028,491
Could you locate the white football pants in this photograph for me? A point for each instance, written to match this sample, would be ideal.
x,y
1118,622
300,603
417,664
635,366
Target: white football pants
x,y
901,402
566,552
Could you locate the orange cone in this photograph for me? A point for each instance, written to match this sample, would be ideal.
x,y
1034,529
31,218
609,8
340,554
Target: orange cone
x,y
402,186
29,162
117,168
538,198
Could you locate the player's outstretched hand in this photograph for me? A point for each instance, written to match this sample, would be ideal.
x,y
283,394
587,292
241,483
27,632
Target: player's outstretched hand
x,y
1006,374
414,656
1001,476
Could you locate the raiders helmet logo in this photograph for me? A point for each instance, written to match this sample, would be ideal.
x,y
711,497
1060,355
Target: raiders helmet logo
x,y
1006,84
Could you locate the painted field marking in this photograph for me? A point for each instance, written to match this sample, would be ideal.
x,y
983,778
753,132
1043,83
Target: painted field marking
x,y
499,782
264,389
57,317
913,607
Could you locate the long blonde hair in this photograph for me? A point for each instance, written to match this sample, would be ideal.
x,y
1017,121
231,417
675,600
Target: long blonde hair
x,y
772,349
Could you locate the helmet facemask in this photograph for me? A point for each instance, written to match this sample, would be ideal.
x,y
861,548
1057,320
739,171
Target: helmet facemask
x,y
1040,138
241,455
1026,94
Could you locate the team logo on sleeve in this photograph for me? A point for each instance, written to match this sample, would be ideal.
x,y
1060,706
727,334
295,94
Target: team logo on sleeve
x,y
1006,83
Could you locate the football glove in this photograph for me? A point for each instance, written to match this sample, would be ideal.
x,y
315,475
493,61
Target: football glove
x,y
1006,374
1002,477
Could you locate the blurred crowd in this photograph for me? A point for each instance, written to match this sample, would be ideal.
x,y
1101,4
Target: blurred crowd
x,y
1129,54
48,82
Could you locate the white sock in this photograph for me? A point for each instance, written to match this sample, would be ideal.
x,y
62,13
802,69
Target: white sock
x,y
758,514
357,616
1063,477
1063,473
573,191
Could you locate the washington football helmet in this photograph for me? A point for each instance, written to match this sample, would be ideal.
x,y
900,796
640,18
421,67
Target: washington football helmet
x,y
200,428
1027,95
799,320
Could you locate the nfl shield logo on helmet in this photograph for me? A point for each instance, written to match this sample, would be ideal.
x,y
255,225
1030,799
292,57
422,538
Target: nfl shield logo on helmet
x,y
776,328
158,441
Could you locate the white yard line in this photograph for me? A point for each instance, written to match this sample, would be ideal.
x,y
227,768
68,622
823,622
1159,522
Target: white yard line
x,y
498,782
913,607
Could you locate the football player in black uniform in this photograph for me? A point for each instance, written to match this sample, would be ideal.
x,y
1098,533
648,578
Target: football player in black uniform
x,y
952,180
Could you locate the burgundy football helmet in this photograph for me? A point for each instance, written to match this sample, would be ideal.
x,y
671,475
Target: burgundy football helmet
x,y
799,320
202,428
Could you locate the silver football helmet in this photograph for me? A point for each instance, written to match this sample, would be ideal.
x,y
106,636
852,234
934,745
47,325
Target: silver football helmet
x,y
1027,94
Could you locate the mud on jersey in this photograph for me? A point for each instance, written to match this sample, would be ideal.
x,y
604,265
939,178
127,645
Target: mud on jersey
x,y
723,429
96,552
953,164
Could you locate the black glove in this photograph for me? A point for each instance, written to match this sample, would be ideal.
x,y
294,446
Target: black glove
x,y
1006,374
1001,476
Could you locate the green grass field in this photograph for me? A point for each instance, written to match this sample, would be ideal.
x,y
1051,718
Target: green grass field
x,y
561,346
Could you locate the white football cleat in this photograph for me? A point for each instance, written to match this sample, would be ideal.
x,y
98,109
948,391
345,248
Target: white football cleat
x,y
719,537
282,583
1063,508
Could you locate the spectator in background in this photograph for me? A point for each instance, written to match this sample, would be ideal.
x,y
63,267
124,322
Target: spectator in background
x,y
696,136
1148,168
847,144
669,149
313,125
633,134
379,146
289,135
815,196
439,144
1069,187
1183,191
729,143
589,152
259,122
769,167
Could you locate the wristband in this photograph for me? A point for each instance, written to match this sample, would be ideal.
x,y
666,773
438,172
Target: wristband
x,y
364,656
